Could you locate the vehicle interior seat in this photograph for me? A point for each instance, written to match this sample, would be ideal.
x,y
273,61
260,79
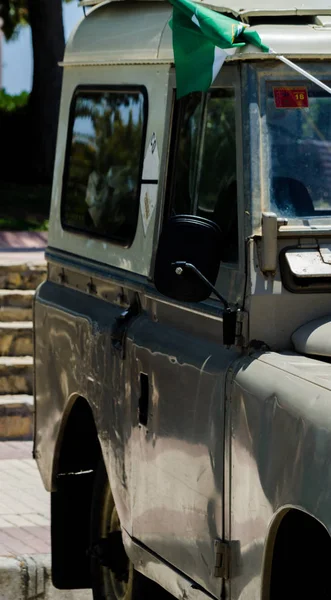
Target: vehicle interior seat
x,y
291,197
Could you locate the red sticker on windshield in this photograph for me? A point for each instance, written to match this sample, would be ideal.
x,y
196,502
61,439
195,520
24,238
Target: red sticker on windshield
x,y
291,97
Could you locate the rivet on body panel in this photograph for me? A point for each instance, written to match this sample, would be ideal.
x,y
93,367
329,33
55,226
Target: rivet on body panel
x,y
62,277
91,288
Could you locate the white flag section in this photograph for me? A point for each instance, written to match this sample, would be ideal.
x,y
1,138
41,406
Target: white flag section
x,y
219,57
219,54
203,38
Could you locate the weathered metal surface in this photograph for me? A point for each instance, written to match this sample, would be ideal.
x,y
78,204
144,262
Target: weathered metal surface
x,y
123,33
200,442
167,477
307,263
281,443
314,338
135,258
177,459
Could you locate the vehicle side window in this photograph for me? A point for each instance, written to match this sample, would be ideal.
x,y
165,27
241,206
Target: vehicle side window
x,y
103,163
204,178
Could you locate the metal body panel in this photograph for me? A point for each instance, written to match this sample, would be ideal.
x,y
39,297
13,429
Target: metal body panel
x,y
280,447
74,357
137,257
229,439
314,337
177,459
274,312
257,7
168,577
125,32
166,477
307,263
308,41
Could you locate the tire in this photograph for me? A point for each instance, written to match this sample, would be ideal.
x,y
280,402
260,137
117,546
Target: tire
x,y
113,575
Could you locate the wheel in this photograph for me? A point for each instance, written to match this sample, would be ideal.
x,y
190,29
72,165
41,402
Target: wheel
x,y
113,574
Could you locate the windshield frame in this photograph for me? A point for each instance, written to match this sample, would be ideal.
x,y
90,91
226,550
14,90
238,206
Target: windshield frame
x,y
263,74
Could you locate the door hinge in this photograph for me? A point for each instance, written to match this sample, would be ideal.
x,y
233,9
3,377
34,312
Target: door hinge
x,y
222,551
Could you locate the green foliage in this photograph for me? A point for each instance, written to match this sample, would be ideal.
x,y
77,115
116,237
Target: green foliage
x,y
9,103
15,14
24,207
26,224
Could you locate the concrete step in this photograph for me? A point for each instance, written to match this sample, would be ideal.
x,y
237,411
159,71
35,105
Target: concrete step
x,y
16,338
16,375
16,305
22,270
16,417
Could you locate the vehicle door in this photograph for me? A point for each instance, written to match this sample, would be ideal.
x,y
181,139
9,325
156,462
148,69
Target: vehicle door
x,y
177,358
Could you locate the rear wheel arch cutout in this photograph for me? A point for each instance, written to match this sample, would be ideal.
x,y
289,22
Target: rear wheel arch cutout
x,y
296,541
74,468
78,448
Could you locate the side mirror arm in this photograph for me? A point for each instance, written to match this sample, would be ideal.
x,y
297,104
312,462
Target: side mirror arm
x,y
229,314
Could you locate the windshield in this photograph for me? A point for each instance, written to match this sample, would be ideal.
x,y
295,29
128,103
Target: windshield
x,y
298,120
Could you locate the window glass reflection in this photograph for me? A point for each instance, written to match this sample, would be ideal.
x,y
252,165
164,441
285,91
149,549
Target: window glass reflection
x,y
103,170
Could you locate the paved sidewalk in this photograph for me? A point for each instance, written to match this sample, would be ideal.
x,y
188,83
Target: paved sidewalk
x,y
24,504
23,239
25,570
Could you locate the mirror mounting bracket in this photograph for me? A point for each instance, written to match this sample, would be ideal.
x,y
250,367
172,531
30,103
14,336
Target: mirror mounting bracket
x,y
229,314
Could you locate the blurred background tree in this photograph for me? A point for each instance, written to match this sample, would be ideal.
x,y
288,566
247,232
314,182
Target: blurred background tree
x,y
28,123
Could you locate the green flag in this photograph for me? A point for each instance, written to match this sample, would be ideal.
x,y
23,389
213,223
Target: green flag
x,y
202,39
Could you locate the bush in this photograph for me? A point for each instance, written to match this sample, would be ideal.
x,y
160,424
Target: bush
x,y
9,103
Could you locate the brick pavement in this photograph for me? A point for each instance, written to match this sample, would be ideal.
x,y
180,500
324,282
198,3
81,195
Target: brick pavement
x,y
24,504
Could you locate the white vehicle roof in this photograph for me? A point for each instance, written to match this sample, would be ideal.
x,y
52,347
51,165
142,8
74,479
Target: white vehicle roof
x,y
138,32
259,7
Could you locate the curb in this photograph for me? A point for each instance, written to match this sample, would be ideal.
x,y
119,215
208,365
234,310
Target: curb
x,y
29,578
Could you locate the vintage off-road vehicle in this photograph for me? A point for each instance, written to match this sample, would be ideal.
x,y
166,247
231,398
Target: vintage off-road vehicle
x,y
183,335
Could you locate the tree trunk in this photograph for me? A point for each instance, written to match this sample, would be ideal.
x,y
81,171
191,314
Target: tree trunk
x,y
48,48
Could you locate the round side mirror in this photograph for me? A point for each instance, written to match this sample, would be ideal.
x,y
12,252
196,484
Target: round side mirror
x,y
194,240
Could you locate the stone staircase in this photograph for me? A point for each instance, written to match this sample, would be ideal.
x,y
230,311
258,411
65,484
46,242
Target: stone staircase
x,y
20,274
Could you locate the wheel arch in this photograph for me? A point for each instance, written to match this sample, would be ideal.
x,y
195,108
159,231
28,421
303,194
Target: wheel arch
x,y
72,452
76,457
293,530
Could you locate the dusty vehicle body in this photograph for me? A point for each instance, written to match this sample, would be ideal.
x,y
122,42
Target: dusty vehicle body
x,y
218,457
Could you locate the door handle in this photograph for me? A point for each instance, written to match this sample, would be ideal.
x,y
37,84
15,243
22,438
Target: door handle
x,y
120,328
143,400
